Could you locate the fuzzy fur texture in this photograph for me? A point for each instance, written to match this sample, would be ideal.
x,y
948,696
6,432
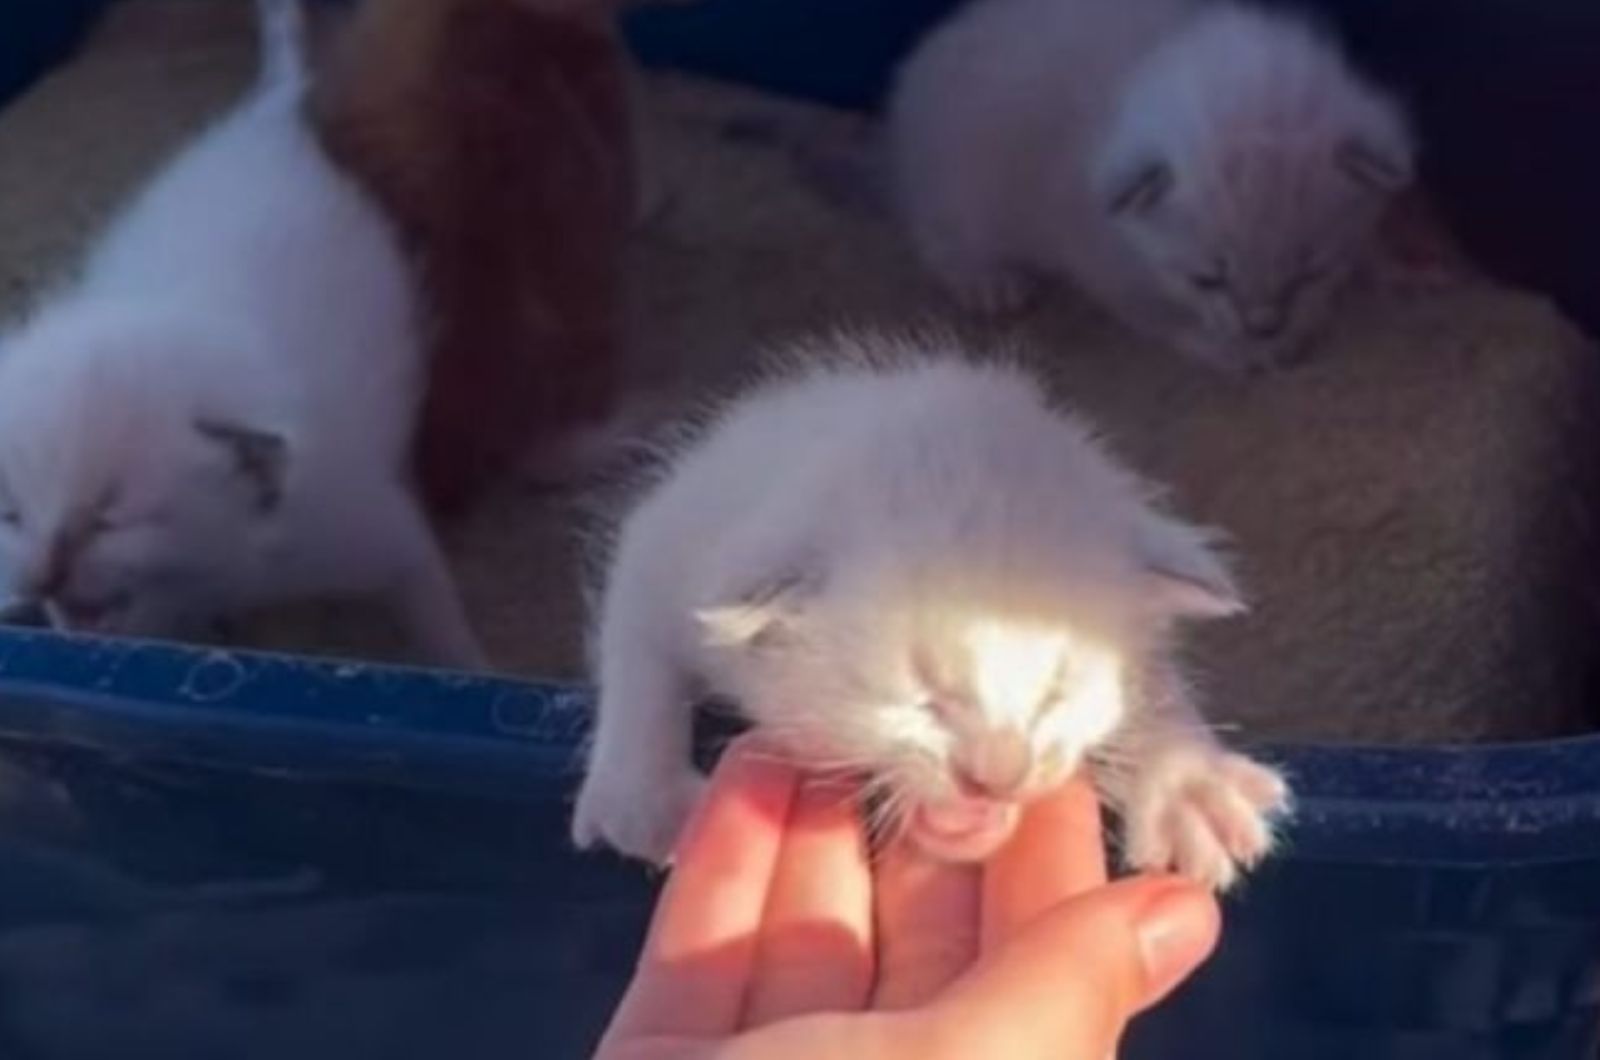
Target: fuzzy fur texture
x,y
496,133
1211,173
903,563
215,414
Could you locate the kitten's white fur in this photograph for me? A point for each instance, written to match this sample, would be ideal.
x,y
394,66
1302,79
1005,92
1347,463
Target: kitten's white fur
x,y
902,561
217,413
1140,147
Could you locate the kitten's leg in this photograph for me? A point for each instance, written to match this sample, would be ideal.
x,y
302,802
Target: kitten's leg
x,y
1186,802
423,593
640,783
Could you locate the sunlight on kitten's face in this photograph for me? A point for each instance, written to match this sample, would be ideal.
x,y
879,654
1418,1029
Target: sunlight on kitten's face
x,y
956,723
1016,708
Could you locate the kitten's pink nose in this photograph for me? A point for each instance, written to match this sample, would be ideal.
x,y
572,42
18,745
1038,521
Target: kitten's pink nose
x,y
994,764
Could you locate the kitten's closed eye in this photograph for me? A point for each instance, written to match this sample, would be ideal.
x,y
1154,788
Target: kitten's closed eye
x,y
1209,282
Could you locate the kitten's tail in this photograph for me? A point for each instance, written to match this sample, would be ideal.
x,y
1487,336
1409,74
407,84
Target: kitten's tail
x,y
281,25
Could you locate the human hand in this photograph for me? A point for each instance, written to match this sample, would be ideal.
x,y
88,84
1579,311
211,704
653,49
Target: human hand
x,y
776,937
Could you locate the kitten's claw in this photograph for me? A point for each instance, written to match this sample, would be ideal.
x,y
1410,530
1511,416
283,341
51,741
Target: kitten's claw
x,y
1205,813
637,818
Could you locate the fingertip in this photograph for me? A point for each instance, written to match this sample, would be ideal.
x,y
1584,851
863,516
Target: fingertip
x,y
1068,817
750,788
1057,852
827,802
1075,797
701,945
816,951
751,760
1178,929
1070,981
928,924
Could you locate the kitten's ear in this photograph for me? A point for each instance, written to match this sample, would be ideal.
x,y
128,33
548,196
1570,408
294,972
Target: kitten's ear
x,y
260,458
1136,188
759,615
1185,577
1382,168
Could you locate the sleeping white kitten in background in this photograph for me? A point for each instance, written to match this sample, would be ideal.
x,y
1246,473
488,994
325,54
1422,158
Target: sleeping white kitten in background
x,y
216,414
908,565
1210,172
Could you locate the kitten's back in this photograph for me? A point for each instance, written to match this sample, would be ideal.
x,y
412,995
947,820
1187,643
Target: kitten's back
x,y
1069,49
1235,72
894,452
252,224
1045,68
997,109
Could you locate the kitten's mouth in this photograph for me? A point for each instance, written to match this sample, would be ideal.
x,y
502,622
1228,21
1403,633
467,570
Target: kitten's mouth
x,y
963,828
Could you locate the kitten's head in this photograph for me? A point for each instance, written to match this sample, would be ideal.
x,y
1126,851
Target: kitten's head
x,y
1248,168
126,497
959,693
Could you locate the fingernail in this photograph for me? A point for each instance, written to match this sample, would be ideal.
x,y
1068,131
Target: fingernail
x,y
1177,930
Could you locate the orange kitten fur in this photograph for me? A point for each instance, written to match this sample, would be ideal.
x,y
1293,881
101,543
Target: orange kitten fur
x,y
496,135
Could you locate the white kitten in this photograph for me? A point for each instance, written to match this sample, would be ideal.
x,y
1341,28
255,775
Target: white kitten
x,y
216,414
911,566
1210,172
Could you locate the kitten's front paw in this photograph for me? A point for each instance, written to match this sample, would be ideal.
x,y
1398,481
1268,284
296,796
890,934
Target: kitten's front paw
x,y
1203,812
639,819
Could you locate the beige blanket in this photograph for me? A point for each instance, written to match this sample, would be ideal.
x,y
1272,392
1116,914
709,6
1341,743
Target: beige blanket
x,y
1412,510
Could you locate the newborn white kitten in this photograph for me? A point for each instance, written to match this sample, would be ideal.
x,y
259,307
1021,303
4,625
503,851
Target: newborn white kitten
x,y
216,414
910,566
1210,172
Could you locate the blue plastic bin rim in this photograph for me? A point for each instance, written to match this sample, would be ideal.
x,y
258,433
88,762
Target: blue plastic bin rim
x,y
357,722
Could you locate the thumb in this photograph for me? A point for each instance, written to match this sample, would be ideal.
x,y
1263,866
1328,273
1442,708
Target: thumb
x,y
1067,984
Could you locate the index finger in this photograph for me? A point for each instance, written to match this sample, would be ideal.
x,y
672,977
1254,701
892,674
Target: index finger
x,y
815,952
700,951
1058,852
